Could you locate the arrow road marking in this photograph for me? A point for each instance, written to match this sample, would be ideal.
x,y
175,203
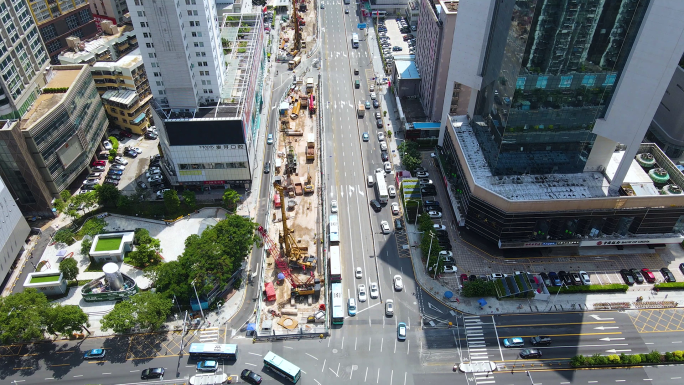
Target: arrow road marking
x,y
610,339
433,307
601,319
607,327
615,351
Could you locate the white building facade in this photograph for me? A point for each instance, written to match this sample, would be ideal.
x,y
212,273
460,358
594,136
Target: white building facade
x,y
13,230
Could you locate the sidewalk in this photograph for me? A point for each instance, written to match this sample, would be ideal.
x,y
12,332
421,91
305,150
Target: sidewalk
x,y
556,303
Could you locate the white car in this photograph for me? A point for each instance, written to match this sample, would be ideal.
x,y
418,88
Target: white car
x,y
389,308
439,227
398,283
392,191
434,214
422,174
119,167
107,145
137,150
446,254
153,178
383,146
385,227
152,173
381,136
120,160
374,291
450,269
585,278
333,206
359,272
388,167
373,96
372,88
362,293
395,208
160,193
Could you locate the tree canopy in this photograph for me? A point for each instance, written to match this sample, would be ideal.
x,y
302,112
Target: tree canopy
x,y
410,154
22,316
65,319
69,268
171,201
230,199
146,310
107,194
64,235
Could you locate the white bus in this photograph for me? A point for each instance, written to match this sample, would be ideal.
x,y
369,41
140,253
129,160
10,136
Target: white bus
x,y
335,264
334,229
355,40
381,187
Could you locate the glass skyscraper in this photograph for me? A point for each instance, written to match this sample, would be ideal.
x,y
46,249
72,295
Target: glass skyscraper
x,y
548,74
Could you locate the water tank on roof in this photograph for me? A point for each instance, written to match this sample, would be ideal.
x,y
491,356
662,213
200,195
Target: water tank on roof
x,y
113,276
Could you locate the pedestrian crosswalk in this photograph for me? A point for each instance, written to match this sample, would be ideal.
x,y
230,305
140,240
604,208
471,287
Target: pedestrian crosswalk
x,y
476,343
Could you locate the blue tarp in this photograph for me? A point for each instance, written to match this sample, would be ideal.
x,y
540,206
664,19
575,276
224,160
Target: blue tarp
x,y
448,294
481,301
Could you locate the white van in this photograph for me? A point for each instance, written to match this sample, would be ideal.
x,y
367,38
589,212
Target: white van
x,y
370,181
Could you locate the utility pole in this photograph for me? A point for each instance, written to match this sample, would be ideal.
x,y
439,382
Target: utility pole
x,y
198,301
432,237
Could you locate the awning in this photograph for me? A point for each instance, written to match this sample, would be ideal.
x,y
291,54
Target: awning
x,y
139,118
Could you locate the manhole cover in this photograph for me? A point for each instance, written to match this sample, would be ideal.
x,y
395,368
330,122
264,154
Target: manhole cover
x,y
334,350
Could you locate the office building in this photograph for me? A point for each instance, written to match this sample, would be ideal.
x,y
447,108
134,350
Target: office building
x,y
434,39
60,19
667,127
23,59
549,152
112,10
55,141
13,231
206,75
114,43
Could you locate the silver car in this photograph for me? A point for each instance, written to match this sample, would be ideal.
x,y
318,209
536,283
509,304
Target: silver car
x,y
389,308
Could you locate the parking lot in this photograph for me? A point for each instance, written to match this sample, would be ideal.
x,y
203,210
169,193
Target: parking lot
x,y
395,37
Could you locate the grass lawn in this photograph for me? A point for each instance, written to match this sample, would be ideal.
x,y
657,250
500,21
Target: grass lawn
x,y
45,278
104,244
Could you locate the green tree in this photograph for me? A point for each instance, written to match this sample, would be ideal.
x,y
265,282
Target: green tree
x,y
65,195
123,201
107,195
425,223
121,319
141,235
86,244
389,134
231,199
69,268
410,154
22,316
171,201
64,235
65,319
87,200
92,227
171,278
145,254
190,199
59,205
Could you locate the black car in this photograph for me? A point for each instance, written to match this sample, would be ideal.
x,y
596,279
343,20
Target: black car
x,y
114,176
378,123
429,203
150,135
250,377
565,277
375,204
638,278
428,192
267,168
446,246
546,279
398,225
152,373
530,353
627,276
384,156
575,279
667,274
472,278
681,267
376,103
540,340
111,181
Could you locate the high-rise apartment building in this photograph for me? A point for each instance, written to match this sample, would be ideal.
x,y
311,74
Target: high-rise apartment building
x,y
434,39
206,75
561,94
55,140
23,58
113,10
60,19
667,127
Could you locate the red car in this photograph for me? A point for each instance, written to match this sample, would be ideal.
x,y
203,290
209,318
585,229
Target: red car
x,y
99,163
464,278
648,276
125,133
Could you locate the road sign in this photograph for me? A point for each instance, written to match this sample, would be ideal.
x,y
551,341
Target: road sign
x,y
361,26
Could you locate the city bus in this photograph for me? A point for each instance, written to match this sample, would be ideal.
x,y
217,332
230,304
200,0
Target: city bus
x,y
355,40
381,187
335,264
379,13
199,351
334,228
282,367
337,304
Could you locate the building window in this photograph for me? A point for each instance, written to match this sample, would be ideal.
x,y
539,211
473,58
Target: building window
x,y
588,80
54,46
71,21
565,82
85,16
49,32
610,80
520,83
541,81
149,45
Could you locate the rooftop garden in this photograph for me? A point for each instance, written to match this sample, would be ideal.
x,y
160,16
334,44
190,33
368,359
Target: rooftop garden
x,y
107,244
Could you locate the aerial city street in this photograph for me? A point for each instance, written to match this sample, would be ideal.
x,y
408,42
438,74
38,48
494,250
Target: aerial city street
x,y
404,192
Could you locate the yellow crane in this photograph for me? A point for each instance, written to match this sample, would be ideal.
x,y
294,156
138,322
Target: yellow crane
x,y
293,252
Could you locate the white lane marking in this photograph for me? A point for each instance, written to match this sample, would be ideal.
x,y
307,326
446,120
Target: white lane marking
x,y
342,343
247,363
364,378
594,316
256,354
288,347
323,368
311,356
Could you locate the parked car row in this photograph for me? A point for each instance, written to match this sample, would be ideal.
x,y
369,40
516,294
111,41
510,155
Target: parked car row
x,y
631,276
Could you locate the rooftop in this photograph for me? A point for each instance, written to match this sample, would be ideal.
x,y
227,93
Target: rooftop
x,y
96,45
450,6
407,69
60,77
130,60
556,186
122,96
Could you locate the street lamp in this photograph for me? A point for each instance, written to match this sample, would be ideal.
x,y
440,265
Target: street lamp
x,y
198,301
432,237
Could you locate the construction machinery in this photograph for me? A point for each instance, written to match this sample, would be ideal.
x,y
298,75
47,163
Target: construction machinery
x,y
297,33
309,186
298,287
294,253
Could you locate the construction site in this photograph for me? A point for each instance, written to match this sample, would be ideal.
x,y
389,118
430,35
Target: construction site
x,y
293,280
297,33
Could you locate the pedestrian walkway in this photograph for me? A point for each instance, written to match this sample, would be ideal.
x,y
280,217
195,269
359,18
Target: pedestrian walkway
x,y
632,299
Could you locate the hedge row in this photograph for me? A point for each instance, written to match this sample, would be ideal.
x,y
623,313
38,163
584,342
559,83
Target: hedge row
x,y
654,357
615,287
669,286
